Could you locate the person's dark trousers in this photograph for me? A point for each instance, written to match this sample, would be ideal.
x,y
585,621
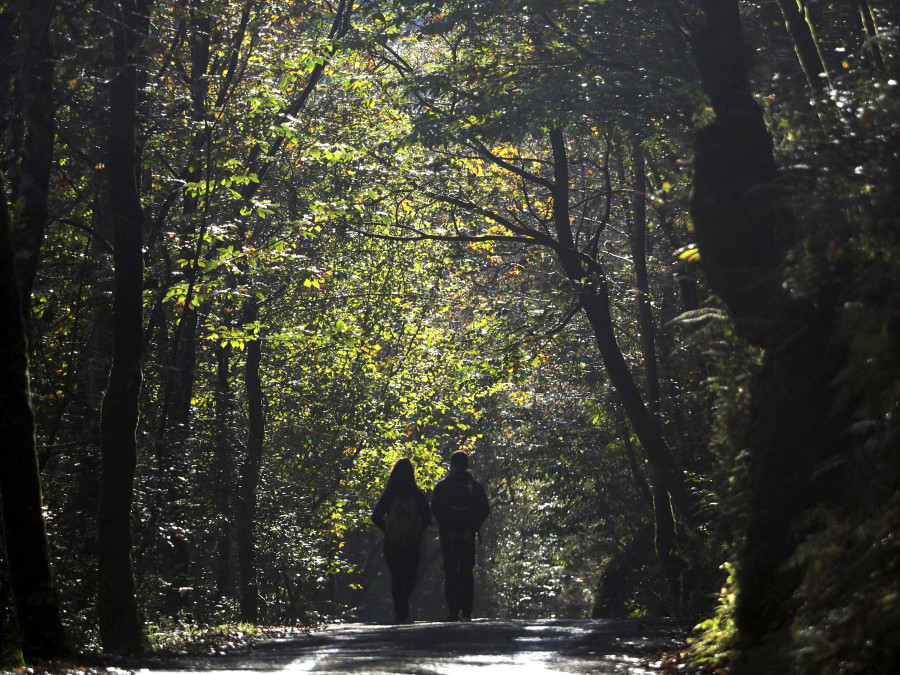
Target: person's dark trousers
x,y
458,549
403,563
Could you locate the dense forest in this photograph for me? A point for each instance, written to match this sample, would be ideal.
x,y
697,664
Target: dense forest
x,y
640,258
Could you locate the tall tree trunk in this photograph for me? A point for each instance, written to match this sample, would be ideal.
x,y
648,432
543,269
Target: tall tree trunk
x,y
638,242
41,627
246,514
121,630
793,427
667,480
734,183
32,174
224,470
668,483
176,413
27,552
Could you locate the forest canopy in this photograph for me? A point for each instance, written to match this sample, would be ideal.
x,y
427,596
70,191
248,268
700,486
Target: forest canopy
x,y
638,259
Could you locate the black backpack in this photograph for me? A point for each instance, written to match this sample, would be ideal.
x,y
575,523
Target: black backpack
x,y
460,511
402,522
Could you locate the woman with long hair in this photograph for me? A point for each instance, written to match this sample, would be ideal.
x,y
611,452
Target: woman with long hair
x,y
402,513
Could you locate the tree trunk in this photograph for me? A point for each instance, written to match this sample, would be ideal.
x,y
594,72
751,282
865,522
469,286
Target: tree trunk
x,y
869,32
184,357
800,28
27,552
638,242
32,184
121,630
667,479
176,413
224,470
639,480
593,294
734,184
246,515
792,432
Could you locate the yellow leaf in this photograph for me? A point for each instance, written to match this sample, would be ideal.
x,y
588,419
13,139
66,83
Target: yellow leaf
x,y
688,253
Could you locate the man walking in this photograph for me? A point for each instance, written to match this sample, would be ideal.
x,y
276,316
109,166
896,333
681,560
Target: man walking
x,y
460,506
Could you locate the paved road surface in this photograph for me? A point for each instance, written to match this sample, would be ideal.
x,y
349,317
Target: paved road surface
x,y
480,647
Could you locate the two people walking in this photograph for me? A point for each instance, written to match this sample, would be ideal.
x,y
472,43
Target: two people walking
x,y
459,505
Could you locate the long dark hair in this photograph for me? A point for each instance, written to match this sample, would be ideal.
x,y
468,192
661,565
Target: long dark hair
x,y
402,476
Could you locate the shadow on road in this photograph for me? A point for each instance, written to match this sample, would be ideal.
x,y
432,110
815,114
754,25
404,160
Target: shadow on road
x,y
603,646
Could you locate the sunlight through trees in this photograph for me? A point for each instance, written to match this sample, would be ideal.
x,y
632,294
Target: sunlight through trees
x,y
639,259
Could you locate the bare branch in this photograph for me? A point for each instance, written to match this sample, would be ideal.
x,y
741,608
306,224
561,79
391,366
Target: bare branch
x,y
499,161
527,232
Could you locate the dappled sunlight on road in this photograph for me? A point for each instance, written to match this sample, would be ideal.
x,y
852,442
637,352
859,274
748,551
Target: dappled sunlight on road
x,y
621,647
537,663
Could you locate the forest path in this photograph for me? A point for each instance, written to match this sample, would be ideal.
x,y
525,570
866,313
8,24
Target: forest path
x,y
482,646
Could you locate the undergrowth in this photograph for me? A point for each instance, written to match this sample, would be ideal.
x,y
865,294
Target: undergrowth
x,y
711,646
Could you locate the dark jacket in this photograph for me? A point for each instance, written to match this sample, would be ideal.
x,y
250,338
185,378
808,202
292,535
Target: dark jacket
x,y
458,488
387,499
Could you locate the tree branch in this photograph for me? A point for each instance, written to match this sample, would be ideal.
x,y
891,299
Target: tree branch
x,y
499,161
527,232
104,244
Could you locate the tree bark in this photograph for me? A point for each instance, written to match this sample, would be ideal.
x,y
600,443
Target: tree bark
x,y
172,444
27,552
740,222
121,629
32,185
246,514
792,425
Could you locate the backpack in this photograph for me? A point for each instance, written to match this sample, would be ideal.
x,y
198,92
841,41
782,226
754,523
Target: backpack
x,y
402,521
460,510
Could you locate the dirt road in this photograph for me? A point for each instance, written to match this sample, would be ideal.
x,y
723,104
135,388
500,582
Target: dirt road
x,y
489,647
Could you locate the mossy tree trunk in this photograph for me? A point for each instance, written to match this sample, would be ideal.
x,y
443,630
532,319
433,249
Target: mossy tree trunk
x,y
744,233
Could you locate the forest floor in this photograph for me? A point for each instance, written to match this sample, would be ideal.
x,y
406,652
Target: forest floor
x,y
614,646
